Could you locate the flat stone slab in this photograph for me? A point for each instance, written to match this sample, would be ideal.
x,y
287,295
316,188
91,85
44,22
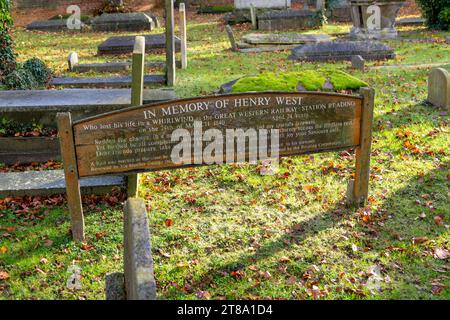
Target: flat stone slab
x,y
43,183
410,22
342,50
125,44
103,82
266,49
56,25
288,38
136,21
113,66
43,105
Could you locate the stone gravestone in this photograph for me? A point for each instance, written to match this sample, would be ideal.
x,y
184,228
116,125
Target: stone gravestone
x,y
111,22
439,88
358,62
280,20
374,20
342,50
138,263
72,60
231,37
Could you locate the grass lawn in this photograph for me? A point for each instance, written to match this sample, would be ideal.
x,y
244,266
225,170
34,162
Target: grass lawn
x,y
228,232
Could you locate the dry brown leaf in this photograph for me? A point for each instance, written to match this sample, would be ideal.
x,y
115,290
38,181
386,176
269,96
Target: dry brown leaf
x,y
441,254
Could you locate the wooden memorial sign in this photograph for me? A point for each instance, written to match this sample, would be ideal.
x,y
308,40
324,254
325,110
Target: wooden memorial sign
x,y
215,130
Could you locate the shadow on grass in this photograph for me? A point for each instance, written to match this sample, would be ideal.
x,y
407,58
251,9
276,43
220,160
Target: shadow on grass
x,y
395,224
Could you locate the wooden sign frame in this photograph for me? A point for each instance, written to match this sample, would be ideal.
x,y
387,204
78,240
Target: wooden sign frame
x,y
358,188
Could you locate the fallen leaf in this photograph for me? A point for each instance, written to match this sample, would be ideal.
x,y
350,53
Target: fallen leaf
x,y
265,274
419,240
441,254
237,274
48,243
169,222
100,235
3,249
438,220
4,275
203,294
291,281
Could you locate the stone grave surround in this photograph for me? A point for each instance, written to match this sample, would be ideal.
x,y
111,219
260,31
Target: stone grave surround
x,y
279,20
339,11
361,18
271,4
241,13
342,50
125,44
57,25
137,21
439,88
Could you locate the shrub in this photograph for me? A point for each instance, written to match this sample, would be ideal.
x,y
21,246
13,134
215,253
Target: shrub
x,y
39,70
7,57
20,79
436,12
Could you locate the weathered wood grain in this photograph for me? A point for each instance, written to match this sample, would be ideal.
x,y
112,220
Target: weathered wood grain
x,y
170,44
66,137
183,36
362,173
137,97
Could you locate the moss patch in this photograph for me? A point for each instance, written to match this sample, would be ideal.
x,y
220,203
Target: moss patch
x,y
311,80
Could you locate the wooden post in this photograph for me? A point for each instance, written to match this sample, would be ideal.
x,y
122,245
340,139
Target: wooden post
x,y
170,44
137,97
361,183
253,17
231,37
65,133
183,31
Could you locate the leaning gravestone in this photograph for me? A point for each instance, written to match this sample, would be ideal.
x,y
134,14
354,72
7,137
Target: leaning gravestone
x,y
439,88
343,50
125,44
111,22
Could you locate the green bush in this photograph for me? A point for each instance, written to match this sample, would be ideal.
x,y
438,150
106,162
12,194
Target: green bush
x,y
20,79
7,57
33,74
436,12
39,70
